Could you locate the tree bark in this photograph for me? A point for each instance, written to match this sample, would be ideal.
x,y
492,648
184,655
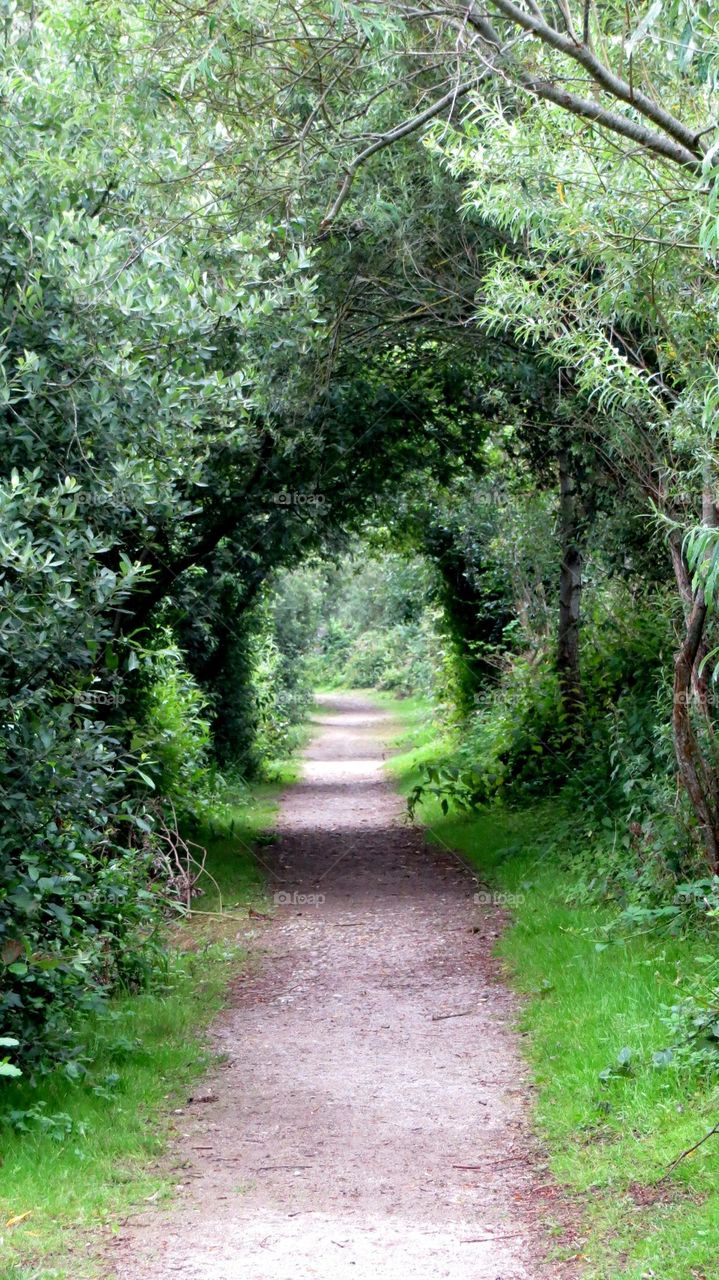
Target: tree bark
x,y
698,775
700,680
570,592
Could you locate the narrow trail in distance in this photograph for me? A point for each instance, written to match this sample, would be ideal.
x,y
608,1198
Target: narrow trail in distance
x,y
369,1121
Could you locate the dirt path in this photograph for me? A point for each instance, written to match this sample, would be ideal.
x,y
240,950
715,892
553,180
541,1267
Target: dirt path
x,y
357,1132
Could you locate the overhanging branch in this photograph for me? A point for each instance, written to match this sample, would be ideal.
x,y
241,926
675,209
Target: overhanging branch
x,y
395,135
602,75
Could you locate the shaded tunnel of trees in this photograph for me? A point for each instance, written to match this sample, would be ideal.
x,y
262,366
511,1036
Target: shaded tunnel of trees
x,y
352,320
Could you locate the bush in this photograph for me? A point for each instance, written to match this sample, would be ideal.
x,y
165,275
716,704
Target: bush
x,y
693,1025
76,917
173,740
627,839
282,697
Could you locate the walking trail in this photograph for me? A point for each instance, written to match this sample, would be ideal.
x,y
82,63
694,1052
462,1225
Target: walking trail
x,y
369,1121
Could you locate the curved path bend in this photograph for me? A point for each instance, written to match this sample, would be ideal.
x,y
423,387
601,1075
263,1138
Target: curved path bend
x,y
369,1121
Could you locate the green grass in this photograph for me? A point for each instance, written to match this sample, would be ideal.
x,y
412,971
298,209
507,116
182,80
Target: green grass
x,y
583,1005
234,878
104,1156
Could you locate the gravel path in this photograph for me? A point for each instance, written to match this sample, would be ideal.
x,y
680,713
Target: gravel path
x,y
369,1121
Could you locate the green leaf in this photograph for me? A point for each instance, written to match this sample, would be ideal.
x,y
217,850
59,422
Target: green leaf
x,y
7,1069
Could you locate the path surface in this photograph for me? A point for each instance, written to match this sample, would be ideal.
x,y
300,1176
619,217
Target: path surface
x,y
356,1131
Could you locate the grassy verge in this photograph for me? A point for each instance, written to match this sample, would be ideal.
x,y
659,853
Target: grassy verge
x,y
90,1150
588,999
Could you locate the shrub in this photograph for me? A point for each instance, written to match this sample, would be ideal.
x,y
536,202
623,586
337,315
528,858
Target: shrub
x,y
76,917
173,738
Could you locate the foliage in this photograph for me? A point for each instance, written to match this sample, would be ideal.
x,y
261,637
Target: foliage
x,y
75,915
378,626
282,697
256,305
162,431
172,738
692,1023
121,371
517,742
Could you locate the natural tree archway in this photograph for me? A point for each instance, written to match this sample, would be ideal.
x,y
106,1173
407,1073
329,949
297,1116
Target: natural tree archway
x,y
341,342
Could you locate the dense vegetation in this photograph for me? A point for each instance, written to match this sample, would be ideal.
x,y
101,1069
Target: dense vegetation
x,y
362,344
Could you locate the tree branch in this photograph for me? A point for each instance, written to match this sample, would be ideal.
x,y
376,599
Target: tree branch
x,y
587,109
395,135
601,74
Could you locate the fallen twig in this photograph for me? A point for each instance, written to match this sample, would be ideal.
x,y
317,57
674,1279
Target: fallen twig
x,y
269,1168
689,1151
181,868
489,1164
440,1017
488,1239
218,915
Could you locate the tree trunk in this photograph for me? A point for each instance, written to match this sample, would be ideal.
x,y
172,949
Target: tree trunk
x,y
700,680
570,591
698,775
